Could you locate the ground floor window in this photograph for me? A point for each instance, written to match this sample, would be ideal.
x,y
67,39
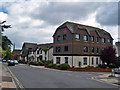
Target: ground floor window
x,y
96,60
85,61
58,60
66,59
92,61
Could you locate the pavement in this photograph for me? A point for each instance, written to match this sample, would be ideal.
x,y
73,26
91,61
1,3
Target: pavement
x,y
105,77
6,81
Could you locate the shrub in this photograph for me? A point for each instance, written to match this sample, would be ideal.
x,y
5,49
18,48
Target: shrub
x,y
113,66
111,76
41,63
31,63
64,66
35,63
79,64
49,61
22,61
51,65
89,66
102,66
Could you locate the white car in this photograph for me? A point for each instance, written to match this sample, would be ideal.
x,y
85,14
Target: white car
x,y
117,70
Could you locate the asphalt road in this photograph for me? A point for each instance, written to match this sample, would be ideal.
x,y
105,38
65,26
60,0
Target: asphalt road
x,y
31,77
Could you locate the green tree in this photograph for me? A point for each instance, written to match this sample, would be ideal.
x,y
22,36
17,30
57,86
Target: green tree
x,y
5,42
8,53
4,26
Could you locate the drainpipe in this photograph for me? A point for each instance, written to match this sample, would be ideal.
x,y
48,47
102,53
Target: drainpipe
x,y
72,50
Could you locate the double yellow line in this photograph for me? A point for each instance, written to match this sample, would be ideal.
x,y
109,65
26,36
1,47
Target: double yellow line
x,y
17,81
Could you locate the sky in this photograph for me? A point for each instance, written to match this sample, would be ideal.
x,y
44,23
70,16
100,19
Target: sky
x,y
36,20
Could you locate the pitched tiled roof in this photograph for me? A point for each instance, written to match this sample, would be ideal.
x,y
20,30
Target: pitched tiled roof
x,y
47,45
75,26
16,52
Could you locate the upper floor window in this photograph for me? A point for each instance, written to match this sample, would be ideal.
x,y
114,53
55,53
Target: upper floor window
x,y
64,36
77,36
103,40
85,49
97,39
97,50
109,40
85,38
57,49
92,49
58,38
92,38
66,59
66,48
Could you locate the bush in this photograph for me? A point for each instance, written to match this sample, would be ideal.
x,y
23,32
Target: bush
x,y
51,65
113,66
111,76
31,63
22,61
49,61
102,66
64,66
79,64
36,63
89,66
41,63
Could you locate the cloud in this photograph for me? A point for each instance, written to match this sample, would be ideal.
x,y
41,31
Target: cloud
x,y
37,21
108,14
3,16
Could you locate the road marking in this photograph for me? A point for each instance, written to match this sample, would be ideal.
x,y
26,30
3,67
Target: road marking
x,y
93,78
12,75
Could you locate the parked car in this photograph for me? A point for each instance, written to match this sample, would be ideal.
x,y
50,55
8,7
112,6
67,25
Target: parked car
x,y
117,70
11,63
8,61
15,61
3,60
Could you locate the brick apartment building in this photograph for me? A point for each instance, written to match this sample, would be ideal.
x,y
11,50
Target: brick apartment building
x,y
74,43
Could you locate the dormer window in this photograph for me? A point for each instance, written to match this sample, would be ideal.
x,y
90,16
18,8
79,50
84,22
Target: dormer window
x,y
109,40
77,36
97,39
103,40
64,36
85,38
58,38
92,38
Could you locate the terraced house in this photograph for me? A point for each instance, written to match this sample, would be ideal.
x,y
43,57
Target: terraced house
x,y
75,43
36,52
